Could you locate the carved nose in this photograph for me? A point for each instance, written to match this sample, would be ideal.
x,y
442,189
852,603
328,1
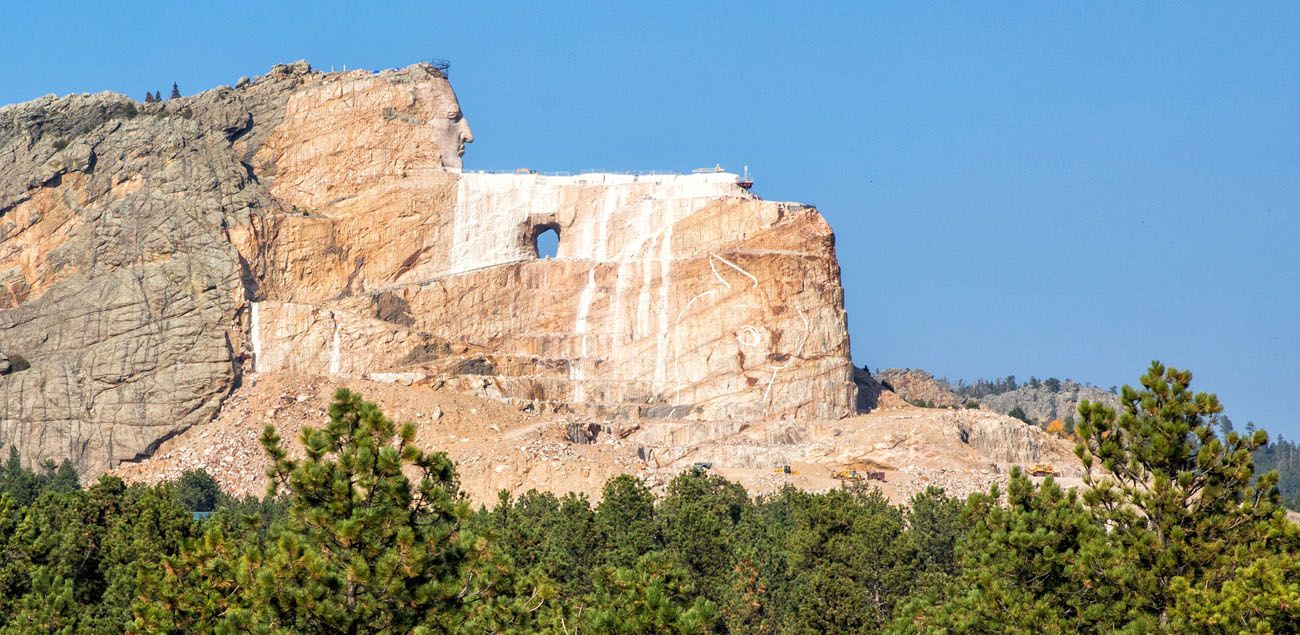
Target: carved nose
x,y
465,134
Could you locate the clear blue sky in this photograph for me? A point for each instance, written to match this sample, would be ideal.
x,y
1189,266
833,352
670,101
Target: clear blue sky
x,y
1050,189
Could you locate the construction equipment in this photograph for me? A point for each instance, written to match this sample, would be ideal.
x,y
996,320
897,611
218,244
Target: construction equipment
x,y
785,469
854,475
1042,469
847,475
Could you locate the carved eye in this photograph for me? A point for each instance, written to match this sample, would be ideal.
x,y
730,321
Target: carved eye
x,y
454,114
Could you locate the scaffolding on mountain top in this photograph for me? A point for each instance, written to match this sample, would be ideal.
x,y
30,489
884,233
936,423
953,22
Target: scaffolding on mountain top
x,y
440,65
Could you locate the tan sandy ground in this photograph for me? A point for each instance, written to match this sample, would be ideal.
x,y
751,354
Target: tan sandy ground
x,y
496,446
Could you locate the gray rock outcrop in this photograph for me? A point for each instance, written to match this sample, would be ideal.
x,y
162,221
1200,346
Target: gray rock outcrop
x,y
1042,404
118,283
919,387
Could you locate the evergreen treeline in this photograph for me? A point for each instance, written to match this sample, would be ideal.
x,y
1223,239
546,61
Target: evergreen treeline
x,y
1282,455
983,387
1175,532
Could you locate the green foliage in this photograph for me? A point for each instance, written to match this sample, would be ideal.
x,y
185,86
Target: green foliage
x,y
658,595
1283,456
1175,532
197,491
357,547
1019,413
545,534
72,559
362,549
697,519
624,522
984,387
1172,533
25,485
935,520
1182,503
850,561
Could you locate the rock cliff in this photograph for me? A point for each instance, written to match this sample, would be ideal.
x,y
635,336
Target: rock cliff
x,y
1040,401
156,257
1044,404
920,387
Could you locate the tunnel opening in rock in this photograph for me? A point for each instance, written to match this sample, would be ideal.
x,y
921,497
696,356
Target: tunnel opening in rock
x,y
546,241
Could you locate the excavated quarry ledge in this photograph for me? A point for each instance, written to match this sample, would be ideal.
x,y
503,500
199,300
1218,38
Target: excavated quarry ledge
x,y
499,446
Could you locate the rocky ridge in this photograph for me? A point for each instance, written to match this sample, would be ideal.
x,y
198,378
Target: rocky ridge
x,y
1044,404
156,258
176,275
919,387
1041,403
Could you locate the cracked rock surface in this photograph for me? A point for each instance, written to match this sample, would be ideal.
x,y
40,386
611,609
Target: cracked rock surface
x,y
120,282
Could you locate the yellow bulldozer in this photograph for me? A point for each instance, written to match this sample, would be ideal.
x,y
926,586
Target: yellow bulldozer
x,y
858,472
848,475
1042,469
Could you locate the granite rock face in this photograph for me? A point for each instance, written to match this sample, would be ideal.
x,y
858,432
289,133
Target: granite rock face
x,y
1039,401
117,284
155,256
677,294
1043,404
919,386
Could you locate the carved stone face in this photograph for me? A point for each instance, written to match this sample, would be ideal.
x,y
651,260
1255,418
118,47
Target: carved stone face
x,y
346,133
451,127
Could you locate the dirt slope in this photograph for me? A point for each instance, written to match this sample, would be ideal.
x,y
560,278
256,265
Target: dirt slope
x,y
499,447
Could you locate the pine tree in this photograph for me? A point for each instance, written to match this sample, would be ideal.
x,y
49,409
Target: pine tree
x,y
850,562
361,548
1019,413
365,550
546,534
624,522
1172,532
1183,507
658,595
74,562
176,91
696,521
197,491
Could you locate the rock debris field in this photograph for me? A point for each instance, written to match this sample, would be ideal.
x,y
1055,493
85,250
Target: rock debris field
x,y
498,446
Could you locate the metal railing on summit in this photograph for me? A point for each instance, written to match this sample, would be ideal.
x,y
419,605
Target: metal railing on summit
x,y
440,65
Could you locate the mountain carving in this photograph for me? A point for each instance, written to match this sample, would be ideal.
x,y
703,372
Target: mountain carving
x,y
156,258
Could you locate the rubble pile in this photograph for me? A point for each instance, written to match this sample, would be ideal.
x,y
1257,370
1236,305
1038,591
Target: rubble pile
x,y
500,445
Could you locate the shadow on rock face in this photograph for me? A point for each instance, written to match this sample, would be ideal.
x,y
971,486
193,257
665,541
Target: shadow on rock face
x,y
869,389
